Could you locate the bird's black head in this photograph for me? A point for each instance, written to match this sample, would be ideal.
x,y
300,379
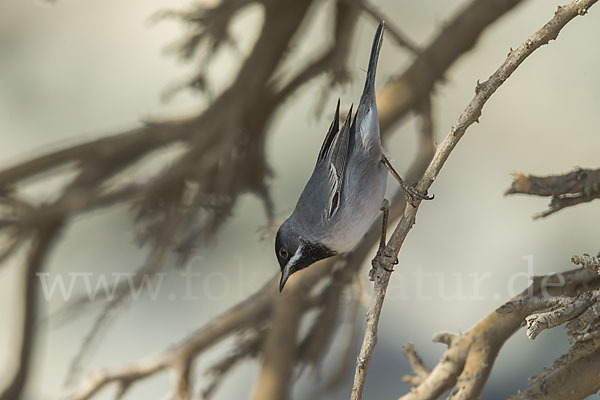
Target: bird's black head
x,y
295,253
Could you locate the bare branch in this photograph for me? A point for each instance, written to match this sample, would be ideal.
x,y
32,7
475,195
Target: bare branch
x,y
567,190
574,307
384,262
421,372
244,314
576,382
41,246
583,321
588,262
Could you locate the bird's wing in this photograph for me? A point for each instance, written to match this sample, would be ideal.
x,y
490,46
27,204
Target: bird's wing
x,y
333,155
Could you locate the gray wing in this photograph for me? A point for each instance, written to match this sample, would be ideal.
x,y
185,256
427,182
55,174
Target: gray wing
x,y
320,199
335,162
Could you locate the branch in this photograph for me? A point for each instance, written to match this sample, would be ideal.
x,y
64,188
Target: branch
x,y
244,314
588,262
577,382
582,312
421,372
415,84
384,262
43,242
567,190
399,36
566,312
467,362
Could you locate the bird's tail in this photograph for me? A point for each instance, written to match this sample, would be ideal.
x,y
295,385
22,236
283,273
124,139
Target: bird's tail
x,y
377,40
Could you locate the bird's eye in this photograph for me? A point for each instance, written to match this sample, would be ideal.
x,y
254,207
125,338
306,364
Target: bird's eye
x,y
283,252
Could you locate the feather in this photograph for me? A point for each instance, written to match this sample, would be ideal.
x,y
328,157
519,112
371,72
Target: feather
x,y
331,134
337,165
365,127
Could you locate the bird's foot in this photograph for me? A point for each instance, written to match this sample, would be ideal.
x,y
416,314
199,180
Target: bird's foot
x,y
413,194
379,263
411,191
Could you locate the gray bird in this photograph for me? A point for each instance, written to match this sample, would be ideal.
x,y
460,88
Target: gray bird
x,y
345,193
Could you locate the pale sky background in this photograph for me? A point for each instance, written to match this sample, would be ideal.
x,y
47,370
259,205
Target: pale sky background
x,y
77,70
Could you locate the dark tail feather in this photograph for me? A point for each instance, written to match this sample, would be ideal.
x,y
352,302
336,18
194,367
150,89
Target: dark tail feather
x,y
333,131
377,40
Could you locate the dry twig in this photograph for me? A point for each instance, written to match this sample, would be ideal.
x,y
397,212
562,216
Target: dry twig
x,y
567,190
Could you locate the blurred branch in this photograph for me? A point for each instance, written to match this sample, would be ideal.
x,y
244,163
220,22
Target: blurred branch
x,y
567,190
398,36
402,94
578,381
41,245
421,372
302,298
383,263
178,358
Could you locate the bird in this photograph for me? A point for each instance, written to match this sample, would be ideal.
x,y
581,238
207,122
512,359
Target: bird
x,y
346,190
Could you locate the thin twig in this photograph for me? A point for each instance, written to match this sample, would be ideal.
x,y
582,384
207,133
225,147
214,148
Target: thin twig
x,y
421,372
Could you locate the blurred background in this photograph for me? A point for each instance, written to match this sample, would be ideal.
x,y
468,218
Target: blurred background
x,y
72,71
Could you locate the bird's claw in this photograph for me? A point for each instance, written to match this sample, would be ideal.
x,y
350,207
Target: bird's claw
x,y
413,194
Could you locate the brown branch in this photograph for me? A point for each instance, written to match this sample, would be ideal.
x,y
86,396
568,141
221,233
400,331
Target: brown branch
x,y
384,262
566,312
581,312
280,349
400,37
42,243
578,381
421,372
332,61
467,362
244,314
567,190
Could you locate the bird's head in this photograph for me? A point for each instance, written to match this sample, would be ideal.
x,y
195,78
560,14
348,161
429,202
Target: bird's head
x,y
295,252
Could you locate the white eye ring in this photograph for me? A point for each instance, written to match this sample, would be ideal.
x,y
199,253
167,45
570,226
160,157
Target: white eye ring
x,y
283,252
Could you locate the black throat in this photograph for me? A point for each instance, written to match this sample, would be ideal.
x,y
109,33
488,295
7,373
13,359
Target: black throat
x,y
313,252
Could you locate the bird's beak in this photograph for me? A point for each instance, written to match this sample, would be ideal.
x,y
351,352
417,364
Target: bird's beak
x,y
285,274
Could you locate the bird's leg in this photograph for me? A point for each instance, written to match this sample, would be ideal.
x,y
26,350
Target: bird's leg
x,y
385,207
412,193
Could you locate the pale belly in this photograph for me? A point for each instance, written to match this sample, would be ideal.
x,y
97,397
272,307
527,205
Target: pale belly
x,y
363,199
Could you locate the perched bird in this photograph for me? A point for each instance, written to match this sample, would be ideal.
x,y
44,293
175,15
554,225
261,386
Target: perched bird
x,y
345,193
